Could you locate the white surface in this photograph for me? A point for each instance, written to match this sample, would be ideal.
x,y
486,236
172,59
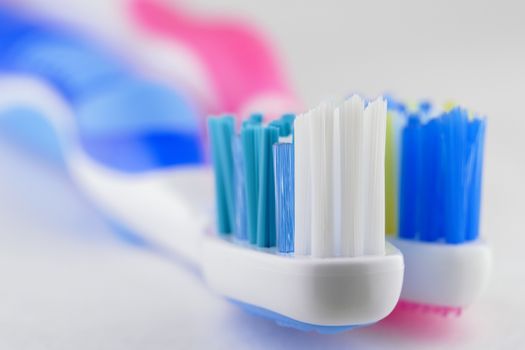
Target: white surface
x,y
66,282
444,274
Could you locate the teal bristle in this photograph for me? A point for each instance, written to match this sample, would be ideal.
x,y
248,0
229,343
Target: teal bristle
x,y
278,124
240,190
256,118
266,198
221,134
251,164
245,176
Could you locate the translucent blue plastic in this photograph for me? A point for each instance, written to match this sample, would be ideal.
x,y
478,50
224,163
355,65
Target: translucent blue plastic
x,y
284,321
284,195
29,128
123,120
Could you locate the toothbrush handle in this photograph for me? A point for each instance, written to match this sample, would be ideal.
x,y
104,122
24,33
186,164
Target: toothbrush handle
x,y
159,205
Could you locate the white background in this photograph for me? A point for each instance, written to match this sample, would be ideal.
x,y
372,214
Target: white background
x,y
68,282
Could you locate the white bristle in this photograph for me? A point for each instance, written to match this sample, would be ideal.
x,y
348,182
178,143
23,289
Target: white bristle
x,y
316,200
302,185
352,192
375,115
321,166
337,182
339,179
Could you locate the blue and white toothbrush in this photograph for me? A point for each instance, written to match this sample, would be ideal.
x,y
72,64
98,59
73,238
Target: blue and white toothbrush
x,y
133,148
438,158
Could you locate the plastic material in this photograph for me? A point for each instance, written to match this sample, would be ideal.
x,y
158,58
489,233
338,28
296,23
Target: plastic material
x,y
144,124
444,274
320,291
284,321
239,63
325,292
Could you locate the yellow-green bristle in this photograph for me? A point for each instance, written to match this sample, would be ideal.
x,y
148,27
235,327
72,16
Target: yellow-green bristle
x,y
390,178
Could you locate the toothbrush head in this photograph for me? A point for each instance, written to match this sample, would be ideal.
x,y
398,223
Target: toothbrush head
x,y
306,293
439,165
443,278
300,217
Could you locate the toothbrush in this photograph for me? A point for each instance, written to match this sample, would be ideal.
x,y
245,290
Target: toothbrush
x,y
438,158
328,288
241,66
147,170
326,246
222,63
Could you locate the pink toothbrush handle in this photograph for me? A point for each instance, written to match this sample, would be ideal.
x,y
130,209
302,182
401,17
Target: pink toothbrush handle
x,y
241,65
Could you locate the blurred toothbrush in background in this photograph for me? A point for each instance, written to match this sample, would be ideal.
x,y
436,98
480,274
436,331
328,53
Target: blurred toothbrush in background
x,y
241,65
122,120
133,147
121,135
128,110
434,164
126,137
223,63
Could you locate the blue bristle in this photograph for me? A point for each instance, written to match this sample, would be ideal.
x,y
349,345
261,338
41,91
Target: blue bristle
x,y
266,196
455,135
431,210
409,182
476,140
425,107
284,195
440,183
240,190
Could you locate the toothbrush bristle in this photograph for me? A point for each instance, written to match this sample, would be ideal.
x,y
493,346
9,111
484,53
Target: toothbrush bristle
x,y
340,179
440,166
284,190
311,185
